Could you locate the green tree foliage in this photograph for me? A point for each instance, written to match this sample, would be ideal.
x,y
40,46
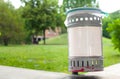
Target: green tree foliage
x,y
60,18
39,15
109,19
114,30
11,27
115,15
70,4
105,23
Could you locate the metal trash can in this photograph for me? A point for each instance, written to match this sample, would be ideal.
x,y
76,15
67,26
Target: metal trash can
x,y
85,39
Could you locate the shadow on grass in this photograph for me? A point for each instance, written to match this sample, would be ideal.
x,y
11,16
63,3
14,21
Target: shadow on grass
x,y
81,77
117,55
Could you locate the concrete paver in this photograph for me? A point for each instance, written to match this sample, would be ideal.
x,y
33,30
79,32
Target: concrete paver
x,y
21,73
111,72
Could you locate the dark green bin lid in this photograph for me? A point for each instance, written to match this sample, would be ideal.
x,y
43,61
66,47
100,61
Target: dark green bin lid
x,y
82,9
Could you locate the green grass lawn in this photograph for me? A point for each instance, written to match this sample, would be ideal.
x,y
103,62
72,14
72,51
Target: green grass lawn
x,y
41,57
49,57
111,56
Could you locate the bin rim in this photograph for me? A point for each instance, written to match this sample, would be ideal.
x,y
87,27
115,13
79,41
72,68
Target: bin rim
x,y
85,8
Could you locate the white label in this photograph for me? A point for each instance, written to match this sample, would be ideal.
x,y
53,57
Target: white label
x,y
85,41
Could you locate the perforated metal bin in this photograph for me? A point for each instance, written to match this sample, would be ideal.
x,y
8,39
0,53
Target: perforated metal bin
x,y
85,39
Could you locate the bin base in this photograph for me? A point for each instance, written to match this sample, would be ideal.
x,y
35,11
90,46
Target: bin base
x,y
85,64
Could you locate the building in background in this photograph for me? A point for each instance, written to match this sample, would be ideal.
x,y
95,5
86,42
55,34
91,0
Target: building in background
x,y
49,33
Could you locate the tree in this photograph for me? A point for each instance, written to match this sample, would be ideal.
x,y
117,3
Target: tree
x,y
114,30
10,23
105,22
60,18
39,15
112,16
115,15
70,4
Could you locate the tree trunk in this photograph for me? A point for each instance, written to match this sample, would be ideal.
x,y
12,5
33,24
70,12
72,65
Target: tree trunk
x,y
5,40
34,39
44,38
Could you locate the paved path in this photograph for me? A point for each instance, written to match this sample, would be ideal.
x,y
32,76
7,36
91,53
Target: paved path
x,y
21,73
112,72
